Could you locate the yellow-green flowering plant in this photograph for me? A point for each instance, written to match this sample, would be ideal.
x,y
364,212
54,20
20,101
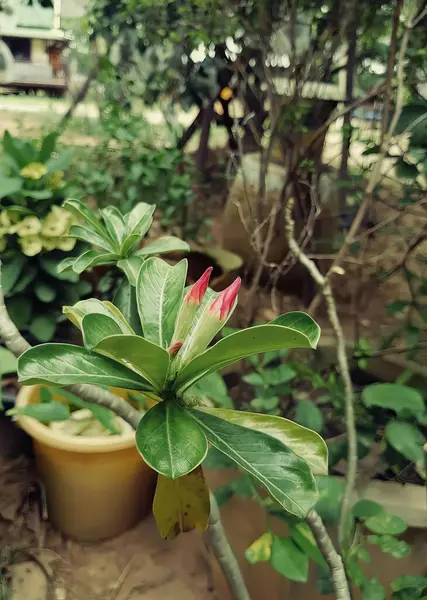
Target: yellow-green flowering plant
x,y
34,230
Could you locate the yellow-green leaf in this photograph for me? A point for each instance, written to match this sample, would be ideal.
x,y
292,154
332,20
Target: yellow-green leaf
x,y
260,549
182,504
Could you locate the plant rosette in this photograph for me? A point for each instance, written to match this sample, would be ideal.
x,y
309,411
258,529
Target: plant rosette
x,y
172,354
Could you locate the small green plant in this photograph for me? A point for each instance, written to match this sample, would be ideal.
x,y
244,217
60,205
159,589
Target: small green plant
x,y
169,356
34,234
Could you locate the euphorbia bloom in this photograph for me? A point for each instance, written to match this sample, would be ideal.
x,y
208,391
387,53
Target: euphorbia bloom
x,y
189,307
213,318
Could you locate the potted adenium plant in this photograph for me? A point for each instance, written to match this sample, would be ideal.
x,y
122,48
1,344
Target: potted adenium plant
x,y
163,362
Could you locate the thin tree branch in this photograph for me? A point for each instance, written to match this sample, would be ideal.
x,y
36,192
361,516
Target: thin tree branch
x,y
326,291
218,541
333,559
384,147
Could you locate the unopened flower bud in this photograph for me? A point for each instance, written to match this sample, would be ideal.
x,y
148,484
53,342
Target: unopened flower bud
x,y
174,348
189,306
213,318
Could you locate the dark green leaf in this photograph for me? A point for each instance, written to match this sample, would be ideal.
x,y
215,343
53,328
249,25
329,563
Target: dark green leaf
x,y
20,309
302,536
125,300
146,358
386,523
367,508
159,292
27,276
44,291
403,400
10,272
43,327
50,265
302,323
60,162
9,186
63,364
288,559
47,146
45,412
373,590
330,494
409,581
406,439
305,443
170,441
389,544
309,415
88,234
244,343
397,306
96,327
285,475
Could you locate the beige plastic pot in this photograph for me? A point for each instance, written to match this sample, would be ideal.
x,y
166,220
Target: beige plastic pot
x,y
95,487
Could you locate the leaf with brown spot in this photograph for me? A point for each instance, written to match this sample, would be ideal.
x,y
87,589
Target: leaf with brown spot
x,y
181,504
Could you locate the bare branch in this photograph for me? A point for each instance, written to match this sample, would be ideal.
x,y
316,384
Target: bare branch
x,y
331,556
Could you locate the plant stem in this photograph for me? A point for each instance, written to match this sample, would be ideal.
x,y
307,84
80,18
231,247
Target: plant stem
x,y
331,556
219,543
326,291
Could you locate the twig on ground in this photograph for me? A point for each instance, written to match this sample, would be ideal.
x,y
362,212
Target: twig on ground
x,y
326,291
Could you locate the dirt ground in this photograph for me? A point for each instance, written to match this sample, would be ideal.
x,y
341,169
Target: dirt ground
x,y
38,563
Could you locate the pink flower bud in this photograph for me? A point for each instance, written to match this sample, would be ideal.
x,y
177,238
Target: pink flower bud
x,y
190,305
224,302
213,318
174,348
197,291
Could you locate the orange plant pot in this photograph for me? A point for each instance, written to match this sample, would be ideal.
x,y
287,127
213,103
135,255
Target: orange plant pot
x,y
95,487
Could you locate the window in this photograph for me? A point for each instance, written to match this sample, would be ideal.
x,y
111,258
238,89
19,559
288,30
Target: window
x,y
20,47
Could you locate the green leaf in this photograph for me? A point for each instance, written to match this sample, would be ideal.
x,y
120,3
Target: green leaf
x,y
91,236
11,147
102,414
330,494
301,322
244,343
82,211
45,412
405,170
64,364
20,309
278,375
93,258
409,581
27,276
309,415
285,475
262,404
50,265
10,186
170,441
125,300
288,560
8,361
147,359
47,146
403,400
138,222
373,590
159,294
60,162
389,544
213,388
164,245
131,267
43,327
94,306
396,306
37,194
366,508
406,439
260,549
115,224
96,327
44,291
10,272
385,522
302,536
414,119
305,443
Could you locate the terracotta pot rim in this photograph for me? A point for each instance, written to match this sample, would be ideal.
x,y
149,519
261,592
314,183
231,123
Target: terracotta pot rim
x,y
45,435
